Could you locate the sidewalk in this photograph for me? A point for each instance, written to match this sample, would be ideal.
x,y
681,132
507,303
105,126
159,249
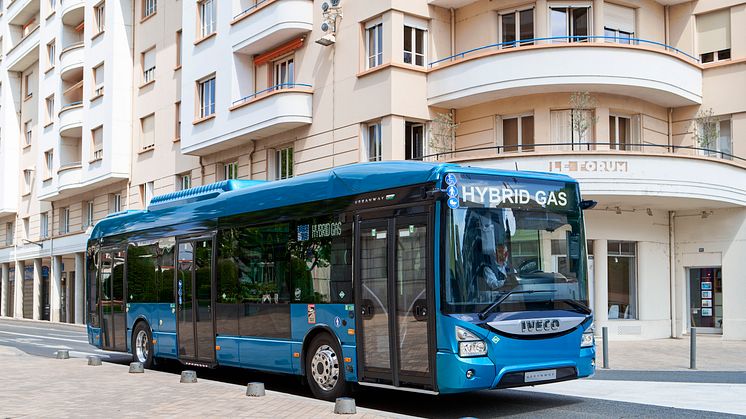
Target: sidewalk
x,y
713,354
45,387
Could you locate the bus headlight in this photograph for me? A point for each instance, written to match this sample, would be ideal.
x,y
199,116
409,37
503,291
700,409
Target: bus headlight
x,y
587,340
469,344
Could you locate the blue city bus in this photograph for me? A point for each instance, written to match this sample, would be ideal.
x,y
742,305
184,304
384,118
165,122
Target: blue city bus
x,y
434,278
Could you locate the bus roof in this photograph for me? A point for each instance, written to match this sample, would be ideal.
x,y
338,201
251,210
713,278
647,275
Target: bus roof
x,y
238,196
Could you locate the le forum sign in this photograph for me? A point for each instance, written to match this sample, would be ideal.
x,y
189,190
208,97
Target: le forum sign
x,y
589,166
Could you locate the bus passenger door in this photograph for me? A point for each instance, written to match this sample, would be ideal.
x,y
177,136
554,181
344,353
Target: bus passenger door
x,y
194,303
112,301
394,300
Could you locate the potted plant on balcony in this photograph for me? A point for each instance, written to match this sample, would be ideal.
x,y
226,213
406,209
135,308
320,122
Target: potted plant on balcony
x,y
442,132
705,131
582,117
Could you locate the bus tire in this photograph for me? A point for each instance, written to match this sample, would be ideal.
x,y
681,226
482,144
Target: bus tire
x,y
325,368
142,345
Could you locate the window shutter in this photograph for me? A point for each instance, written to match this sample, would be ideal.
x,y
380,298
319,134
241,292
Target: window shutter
x,y
148,131
619,17
713,31
148,60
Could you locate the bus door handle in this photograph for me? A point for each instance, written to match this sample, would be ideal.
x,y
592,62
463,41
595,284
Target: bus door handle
x,y
366,310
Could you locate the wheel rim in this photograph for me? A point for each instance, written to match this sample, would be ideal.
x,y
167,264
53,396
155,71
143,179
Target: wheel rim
x,y
141,346
325,367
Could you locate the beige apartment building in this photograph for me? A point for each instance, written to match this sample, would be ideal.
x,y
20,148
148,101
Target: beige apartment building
x,y
105,104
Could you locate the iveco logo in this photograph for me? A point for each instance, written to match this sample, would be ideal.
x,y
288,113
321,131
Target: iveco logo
x,y
540,325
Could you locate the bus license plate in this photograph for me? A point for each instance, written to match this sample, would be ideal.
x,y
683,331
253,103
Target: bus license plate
x,y
544,375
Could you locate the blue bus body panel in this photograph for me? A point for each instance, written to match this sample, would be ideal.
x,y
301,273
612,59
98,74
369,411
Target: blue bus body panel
x,y
161,318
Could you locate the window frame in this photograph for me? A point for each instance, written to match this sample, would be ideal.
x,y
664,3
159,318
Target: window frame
x,y
148,74
377,147
97,153
516,12
149,8
284,159
44,225
230,170
185,181
64,225
203,109
416,29
48,164
520,146
51,54
99,17
409,126
288,61
98,88
50,111
143,144
569,25
205,27
28,133
634,285
88,209
374,59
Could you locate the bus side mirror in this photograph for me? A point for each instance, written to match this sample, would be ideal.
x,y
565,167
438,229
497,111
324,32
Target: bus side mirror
x,y
587,204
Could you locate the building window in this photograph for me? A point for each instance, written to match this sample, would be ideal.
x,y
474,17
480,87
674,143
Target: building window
x,y
178,48
146,193
98,80
414,45
50,109
184,181
99,16
9,233
516,26
27,81
715,139
284,72
622,277
414,140
206,17
87,214
28,133
284,163
572,127
44,225
97,145
177,120
64,220
149,7
230,171
26,227
115,203
374,43
52,6
147,131
517,133
51,54
570,24
27,179
373,141
48,164
624,132
713,36
206,92
148,65
619,23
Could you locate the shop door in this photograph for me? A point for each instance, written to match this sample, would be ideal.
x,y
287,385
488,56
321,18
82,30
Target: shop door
x,y
195,327
112,289
706,299
394,301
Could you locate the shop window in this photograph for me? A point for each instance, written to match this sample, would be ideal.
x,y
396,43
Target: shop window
x,y
706,297
713,36
516,27
622,280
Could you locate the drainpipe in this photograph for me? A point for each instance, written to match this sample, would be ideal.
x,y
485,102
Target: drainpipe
x,y
453,32
670,130
672,270
667,24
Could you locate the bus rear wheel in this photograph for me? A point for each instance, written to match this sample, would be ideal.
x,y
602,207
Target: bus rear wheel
x,y
325,368
142,345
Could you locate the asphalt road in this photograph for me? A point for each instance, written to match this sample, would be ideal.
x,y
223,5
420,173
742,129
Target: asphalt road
x,y
44,340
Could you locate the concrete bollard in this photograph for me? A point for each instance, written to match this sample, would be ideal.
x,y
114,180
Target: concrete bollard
x,y
693,348
188,376
63,354
605,343
94,361
255,389
136,368
345,406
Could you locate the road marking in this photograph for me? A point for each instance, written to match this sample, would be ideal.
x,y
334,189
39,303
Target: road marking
x,y
44,337
40,328
78,354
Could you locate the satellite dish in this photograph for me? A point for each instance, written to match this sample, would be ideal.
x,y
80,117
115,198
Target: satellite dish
x,y
335,3
325,6
325,27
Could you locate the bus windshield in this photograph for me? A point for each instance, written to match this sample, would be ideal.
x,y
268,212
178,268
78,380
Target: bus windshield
x,y
515,242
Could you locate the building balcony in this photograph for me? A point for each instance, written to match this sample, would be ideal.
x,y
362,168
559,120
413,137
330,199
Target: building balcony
x,y
669,77
71,61
25,52
450,4
638,176
270,23
21,11
69,176
71,120
73,12
260,115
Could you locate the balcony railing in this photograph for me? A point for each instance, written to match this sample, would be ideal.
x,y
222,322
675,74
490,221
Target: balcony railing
x,y
523,149
276,87
564,39
70,106
250,9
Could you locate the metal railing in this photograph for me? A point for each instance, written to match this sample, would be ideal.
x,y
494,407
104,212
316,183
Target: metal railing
x,y
68,166
269,89
502,150
70,106
563,39
250,9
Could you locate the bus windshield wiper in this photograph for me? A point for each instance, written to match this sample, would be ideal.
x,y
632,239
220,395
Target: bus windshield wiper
x,y
483,313
576,305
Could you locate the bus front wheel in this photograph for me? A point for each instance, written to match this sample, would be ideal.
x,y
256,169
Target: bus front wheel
x,y
325,368
142,345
